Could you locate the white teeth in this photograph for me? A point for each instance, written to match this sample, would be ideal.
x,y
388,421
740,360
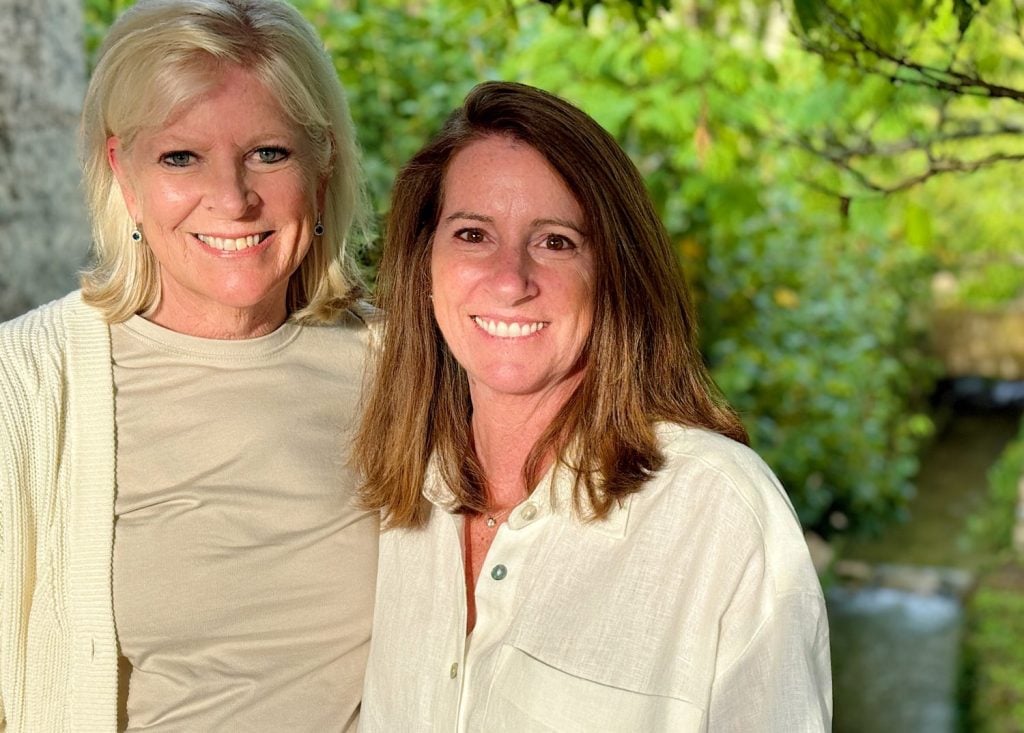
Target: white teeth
x,y
501,329
230,245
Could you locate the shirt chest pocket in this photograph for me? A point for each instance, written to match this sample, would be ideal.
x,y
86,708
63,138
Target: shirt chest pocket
x,y
529,695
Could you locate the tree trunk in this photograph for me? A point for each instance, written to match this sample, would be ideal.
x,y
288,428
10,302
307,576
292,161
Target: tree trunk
x,y
44,233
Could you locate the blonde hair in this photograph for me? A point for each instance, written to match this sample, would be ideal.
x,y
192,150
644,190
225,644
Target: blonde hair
x,y
161,54
642,362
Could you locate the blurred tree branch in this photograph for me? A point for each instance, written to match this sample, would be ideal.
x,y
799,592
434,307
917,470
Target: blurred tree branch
x,y
641,10
936,56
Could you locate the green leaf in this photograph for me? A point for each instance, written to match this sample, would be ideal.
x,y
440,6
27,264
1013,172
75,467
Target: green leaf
x,y
964,14
808,14
918,221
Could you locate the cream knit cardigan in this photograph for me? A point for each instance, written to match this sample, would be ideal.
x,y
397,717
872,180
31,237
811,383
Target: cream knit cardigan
x,y
58,653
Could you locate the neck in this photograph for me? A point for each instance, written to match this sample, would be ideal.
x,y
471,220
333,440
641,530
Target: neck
x,y
225,322
505,430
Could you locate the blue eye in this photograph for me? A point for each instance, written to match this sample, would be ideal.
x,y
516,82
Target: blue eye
x,y
178,158
271,155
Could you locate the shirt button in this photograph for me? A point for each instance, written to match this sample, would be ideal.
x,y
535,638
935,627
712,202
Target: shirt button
x,y
498,572
529,511
454,671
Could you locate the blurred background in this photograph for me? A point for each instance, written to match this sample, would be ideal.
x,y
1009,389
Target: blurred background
x,y
842,181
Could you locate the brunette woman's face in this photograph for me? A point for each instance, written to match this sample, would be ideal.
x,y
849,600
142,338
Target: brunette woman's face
x,y
512,272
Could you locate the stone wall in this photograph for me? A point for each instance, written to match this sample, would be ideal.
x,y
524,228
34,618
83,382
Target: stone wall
x,y
44,234
981,344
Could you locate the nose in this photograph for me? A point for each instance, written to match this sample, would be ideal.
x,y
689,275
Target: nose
x,y
513,274
230,193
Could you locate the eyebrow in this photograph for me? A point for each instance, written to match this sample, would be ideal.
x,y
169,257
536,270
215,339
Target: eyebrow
x,y
535,223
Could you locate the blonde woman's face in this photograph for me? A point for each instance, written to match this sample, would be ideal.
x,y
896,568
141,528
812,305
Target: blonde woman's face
x,y
225,196
512,273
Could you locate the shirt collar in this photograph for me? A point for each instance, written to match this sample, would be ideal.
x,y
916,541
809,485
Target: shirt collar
x,y
552,495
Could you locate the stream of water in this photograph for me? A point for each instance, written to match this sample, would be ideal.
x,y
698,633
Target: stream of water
x,y
895,653
894,660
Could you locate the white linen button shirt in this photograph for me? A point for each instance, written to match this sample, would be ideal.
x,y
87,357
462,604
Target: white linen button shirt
x,y
692,607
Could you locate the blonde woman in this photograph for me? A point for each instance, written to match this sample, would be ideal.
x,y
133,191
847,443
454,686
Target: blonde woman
x,y
179,546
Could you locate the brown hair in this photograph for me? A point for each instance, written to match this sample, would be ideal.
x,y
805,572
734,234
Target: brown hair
x,y
642,359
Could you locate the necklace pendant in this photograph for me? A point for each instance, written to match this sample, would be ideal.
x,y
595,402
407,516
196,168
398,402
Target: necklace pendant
x,y
491,521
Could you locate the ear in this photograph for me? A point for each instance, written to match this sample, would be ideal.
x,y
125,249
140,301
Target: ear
x,y
116,157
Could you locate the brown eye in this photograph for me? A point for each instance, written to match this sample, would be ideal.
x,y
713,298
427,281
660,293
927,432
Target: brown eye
x,y
558,243
473,236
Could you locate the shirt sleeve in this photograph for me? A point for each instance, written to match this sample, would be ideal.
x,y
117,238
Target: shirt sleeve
x,y
782,681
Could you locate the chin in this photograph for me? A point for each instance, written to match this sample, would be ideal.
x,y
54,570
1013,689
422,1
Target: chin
x,y
518,384
252,295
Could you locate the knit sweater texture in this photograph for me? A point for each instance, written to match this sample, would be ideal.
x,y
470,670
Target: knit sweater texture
x,y
58,653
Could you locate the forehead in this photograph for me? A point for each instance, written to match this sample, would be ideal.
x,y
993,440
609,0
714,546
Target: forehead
x,y
233,90
212,103
506,174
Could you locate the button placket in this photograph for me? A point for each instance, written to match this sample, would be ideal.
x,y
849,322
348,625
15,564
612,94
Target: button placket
x,y
507,564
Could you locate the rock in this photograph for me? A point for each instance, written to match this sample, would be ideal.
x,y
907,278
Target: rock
x,y
822,553
854,570
44,231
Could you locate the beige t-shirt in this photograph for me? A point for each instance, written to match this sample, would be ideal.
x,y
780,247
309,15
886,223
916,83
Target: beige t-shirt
x,y
243,571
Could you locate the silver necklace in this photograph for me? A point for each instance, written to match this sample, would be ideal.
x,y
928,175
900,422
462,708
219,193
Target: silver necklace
x,y
494,519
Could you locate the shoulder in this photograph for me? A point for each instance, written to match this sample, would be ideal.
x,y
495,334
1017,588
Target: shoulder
x,y
372,319
715,488
685,442
36,350
358,315
39,339
342,346
351,324
721,495
39,322
366,313
723,468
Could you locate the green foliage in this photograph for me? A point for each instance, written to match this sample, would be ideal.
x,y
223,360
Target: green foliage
x,y
951,72
812,322
97,16
813,331
992,284
977,228
808,14
993,650
642,10
965,10
990,529
812,305
405,67
994,657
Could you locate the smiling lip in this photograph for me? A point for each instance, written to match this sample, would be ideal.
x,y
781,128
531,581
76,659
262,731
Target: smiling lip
x,y
232,244
508,330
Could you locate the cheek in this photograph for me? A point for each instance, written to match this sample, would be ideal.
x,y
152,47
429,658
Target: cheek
x,y
295,194
578,286
442,271
445,291
166,202
583,303
454,275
